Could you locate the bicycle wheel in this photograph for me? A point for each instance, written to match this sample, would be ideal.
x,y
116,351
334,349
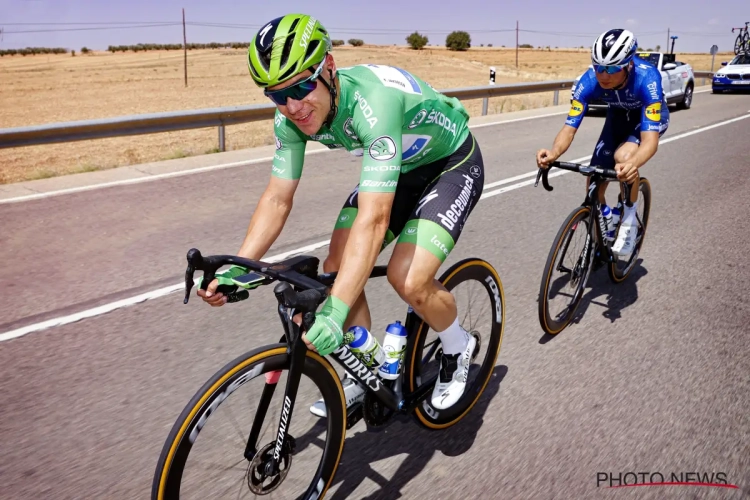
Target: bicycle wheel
x,y
619,270
476,274
170,481
739,44
575,274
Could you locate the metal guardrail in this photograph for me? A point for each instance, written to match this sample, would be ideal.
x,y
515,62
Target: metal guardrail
x,y
221,117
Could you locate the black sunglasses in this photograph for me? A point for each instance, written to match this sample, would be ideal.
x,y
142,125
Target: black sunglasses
x,y
297,91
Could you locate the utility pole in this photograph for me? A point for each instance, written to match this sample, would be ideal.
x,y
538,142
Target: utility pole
x,y
516,44
184,40
667,45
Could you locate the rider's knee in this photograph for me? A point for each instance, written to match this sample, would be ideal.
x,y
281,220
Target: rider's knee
x,y
409,285
623,155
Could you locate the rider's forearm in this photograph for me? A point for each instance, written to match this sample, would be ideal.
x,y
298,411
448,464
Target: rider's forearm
x,y
563,141
644,153
361,253
265,226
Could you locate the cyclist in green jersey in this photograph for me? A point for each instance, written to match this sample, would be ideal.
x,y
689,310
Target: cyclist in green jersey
x,y
421,176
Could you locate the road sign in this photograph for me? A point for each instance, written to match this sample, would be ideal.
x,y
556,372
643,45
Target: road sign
x,y
714,49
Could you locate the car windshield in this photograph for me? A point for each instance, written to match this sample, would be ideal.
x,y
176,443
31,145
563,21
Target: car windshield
x,y
652,58
741,59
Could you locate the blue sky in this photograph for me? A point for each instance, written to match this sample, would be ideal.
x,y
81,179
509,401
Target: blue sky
x,y
697,23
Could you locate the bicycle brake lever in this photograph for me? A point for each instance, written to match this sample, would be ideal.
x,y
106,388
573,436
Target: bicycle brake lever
x,y
538,176
195,260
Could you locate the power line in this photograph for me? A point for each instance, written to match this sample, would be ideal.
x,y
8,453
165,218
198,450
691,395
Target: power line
x,y
94,29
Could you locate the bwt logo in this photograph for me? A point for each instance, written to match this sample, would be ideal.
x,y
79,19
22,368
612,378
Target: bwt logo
x,y
623,479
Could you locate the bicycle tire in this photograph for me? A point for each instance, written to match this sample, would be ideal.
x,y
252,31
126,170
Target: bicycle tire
x,y
460,272
548,324
171,463
615,274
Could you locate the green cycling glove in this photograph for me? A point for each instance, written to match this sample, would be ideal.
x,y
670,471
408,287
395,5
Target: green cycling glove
x,y
326,333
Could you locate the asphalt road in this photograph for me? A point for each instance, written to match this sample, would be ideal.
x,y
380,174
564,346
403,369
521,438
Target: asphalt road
x,y
654,376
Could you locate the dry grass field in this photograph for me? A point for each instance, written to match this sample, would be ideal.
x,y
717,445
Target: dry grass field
x,y
55,88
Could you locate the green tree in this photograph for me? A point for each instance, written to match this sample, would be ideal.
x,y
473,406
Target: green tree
x,y
458,40
337,43
416,41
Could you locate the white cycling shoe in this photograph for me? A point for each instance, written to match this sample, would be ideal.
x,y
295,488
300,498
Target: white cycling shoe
x,y
454,370
353,393
625,242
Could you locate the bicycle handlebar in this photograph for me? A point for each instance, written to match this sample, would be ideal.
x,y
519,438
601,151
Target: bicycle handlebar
x,y
312,294
573,167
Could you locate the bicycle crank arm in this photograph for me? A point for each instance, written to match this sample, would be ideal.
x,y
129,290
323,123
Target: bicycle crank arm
x,y
411,400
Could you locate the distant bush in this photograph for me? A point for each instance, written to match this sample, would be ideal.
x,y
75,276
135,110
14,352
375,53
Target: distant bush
x,y
458,40
355,42
29,51
526,46
337,43
143,47
416,41
85,50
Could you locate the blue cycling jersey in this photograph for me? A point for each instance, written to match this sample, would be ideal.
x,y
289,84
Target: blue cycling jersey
x,y
643,91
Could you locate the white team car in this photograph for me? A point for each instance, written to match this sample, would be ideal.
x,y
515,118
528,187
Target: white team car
x,y
677,79
734,76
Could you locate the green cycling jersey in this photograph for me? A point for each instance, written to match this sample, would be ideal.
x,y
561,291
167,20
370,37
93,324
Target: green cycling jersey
x,y
394,120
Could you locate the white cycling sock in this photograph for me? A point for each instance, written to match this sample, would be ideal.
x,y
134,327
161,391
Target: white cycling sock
x,y
453,338
629,215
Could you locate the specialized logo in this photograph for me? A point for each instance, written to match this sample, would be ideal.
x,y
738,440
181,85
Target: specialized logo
x,y
418,119
307,33
576,108
282,427
653,112
279,145
424,201
459,205
383,148
412,145
366,109
264,32
440,119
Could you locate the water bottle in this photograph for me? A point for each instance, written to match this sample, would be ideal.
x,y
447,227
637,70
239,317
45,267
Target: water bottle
x,y
606,223
394,345
366,347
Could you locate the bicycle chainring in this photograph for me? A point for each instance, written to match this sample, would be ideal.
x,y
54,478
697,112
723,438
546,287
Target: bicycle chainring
x,y
257,472
375,413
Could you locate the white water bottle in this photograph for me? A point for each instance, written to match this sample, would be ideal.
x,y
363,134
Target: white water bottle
x,y
606,223
366,347
394,346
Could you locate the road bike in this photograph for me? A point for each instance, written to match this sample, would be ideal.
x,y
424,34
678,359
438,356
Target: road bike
x,y
742,42
594,252
261,467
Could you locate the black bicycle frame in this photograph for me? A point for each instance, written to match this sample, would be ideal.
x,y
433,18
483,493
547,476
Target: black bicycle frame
x,y
300,273
597,175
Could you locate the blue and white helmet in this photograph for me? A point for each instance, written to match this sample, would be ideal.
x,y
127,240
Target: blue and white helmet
x,y
615,47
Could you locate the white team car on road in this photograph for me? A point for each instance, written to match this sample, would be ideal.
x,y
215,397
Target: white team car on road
x,y
677,79
734,76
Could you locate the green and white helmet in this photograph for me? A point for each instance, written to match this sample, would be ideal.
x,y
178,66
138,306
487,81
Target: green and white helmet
x,y
285,47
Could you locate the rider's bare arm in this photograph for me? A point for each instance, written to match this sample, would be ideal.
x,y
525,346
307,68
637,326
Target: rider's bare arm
x,y
269,217
563,140
363,245
647,149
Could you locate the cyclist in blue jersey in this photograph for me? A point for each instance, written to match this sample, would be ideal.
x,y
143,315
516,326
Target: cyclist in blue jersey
x,y
637,116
